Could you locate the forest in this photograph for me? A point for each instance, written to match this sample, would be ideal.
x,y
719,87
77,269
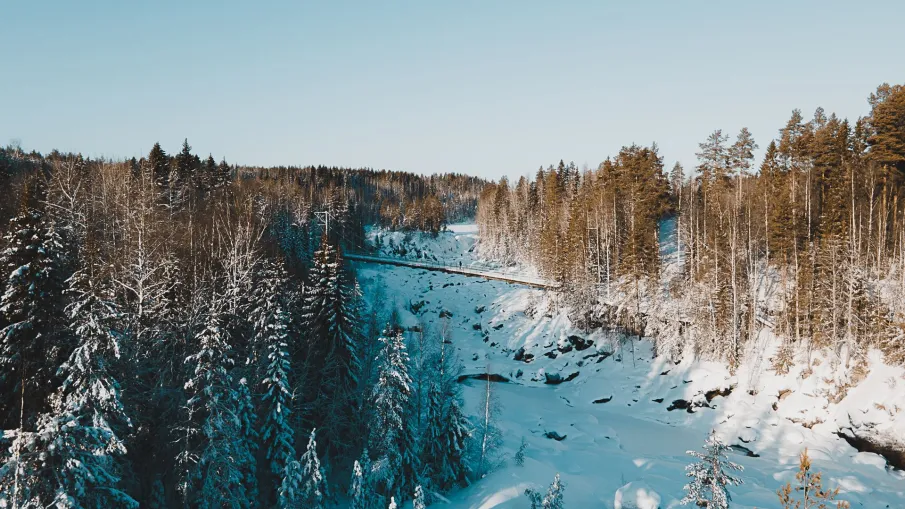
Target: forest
x,y
178,332
809,243
181,332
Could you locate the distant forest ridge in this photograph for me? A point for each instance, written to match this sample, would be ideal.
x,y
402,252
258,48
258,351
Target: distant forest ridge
x,y
393,199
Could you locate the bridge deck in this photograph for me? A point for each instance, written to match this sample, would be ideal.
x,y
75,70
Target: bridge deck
x,y
453,269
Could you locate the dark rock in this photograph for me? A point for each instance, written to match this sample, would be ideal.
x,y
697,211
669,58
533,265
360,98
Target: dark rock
x,y
519,354
557,378
519,373
555,436
476,326
580,343
603,400
664,373
479,309
894,456
493,377
679,404
498,326
551,354
416,306
658,400
709,395
445,314
565,349
744,450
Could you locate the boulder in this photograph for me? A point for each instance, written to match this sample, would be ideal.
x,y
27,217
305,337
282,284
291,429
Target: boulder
x,y
580,343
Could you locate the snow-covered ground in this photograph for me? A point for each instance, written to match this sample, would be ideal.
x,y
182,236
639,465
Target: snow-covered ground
x,y
621,441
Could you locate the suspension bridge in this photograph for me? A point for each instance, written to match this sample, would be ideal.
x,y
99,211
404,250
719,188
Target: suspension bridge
x,y
521,279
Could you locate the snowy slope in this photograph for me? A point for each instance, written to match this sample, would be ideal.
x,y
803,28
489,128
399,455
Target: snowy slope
x,y
631,446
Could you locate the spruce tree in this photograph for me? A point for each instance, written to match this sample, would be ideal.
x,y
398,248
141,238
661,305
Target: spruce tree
x,y
32,339
418,499
314,486
213,460
710,477
554,497
447,432
160,166
330,314
290,494
392,438
75,456
357,495
246,445
271,333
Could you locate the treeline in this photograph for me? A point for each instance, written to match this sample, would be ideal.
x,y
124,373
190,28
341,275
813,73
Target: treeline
x,y
392,199
173,335
810,246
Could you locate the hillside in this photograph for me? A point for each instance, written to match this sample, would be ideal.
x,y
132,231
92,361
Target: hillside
x,y
620,434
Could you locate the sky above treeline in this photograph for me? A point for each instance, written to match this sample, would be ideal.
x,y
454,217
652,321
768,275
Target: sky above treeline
x,y
485,88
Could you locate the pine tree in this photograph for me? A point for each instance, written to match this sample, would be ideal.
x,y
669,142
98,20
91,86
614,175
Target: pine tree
x,y
809,493
314,486
710,477
392,438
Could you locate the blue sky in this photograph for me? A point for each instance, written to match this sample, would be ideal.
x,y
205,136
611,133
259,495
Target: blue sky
x,y
481,87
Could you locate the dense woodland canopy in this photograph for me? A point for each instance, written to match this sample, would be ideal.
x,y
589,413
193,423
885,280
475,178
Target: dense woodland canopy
x,y
810,243
180,332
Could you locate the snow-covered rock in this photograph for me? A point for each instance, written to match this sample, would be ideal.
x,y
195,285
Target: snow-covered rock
x,y
636,495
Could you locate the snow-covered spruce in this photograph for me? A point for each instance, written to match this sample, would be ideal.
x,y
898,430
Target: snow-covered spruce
x,y
392,438
271,334
447,434
214,452
711,476
74,459
331,313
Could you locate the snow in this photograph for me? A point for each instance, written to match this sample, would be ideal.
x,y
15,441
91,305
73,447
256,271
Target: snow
x,y
631,446
636,495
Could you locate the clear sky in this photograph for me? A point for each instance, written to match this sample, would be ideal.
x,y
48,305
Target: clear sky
x,y
481,87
